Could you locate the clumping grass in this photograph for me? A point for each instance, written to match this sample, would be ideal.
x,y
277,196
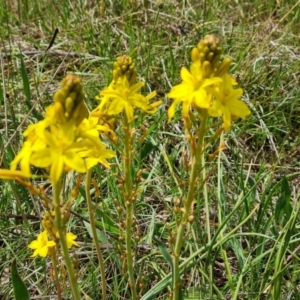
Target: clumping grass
x,y
252,186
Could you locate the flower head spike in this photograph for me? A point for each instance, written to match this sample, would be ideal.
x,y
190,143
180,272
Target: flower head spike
x,y
192,90
227,103
41,245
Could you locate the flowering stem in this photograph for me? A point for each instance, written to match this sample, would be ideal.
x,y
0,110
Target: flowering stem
x,y
62,237
94,233
128,201
54,266
187,203
207,219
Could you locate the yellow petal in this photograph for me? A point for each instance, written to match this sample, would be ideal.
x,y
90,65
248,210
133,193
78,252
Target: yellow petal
x,y
34,245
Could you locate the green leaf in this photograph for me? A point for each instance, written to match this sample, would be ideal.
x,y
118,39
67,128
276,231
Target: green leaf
x,y
20,289
166,255
283,203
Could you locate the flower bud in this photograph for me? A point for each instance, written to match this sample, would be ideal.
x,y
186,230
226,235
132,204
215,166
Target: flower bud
x,y
124,66
206,69
223,67
208,49
69,100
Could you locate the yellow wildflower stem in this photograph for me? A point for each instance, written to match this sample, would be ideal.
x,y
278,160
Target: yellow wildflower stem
x,y
128,201
94,233
55,273
60,226
195,162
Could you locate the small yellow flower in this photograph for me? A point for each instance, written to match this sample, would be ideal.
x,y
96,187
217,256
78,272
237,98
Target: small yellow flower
x,y
227,103
41,245
71,237
191,91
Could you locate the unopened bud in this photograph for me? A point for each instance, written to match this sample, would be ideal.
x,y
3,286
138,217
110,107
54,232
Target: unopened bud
x,y
223,67
206,69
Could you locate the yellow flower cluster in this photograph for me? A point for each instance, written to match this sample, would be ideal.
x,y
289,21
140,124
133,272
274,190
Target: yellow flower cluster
x,y
65,140
207,85
123,93
42,246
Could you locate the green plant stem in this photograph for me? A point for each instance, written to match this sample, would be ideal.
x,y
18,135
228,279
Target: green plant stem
x,y
128,201
220,220
60,226
94,233
54,266
196,160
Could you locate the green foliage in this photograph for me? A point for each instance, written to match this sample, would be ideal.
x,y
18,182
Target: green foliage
x,y
258,192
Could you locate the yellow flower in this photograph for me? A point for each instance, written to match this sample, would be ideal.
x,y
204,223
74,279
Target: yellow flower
x,y
41,245
191,91
120,96
61,153
71,237
227,103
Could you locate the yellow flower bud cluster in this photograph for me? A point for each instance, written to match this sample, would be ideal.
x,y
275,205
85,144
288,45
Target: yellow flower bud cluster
x,y
208,53
69,102
207,49
124,66
123,93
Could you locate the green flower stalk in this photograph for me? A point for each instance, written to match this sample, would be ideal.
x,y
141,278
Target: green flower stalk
x,y
120,100
206,91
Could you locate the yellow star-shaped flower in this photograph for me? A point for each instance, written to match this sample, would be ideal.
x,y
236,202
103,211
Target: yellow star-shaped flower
x,y
41,245
191,91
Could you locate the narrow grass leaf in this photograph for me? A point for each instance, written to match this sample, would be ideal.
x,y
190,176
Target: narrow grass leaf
x,y
26,88
147,148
